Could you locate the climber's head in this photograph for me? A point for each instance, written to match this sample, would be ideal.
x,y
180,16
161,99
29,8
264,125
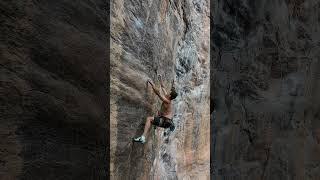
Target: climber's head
x,y
173,94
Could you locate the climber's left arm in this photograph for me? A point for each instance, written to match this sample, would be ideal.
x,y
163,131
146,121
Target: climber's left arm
x,y
155,90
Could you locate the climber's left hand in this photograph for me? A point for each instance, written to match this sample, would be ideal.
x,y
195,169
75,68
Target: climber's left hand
x,y
151,83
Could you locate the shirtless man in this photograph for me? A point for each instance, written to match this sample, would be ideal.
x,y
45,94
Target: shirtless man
x,y
164,117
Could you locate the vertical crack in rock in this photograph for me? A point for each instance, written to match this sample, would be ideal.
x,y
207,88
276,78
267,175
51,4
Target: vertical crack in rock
x,y
184,17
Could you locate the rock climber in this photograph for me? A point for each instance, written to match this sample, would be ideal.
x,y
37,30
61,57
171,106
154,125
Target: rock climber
x,y
164,117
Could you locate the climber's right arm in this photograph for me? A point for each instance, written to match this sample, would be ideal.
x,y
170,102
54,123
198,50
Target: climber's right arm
x,y
161,85
162,88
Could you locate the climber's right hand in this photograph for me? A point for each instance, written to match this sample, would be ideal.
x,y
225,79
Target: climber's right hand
x,y
160,79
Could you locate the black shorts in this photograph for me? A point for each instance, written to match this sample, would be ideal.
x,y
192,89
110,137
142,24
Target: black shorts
x,y
162,121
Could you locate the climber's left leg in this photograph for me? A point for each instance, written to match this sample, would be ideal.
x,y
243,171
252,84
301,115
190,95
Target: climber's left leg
x,y
147,126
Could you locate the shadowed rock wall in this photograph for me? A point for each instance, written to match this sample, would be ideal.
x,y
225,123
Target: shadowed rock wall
x,y
170,38
53,90
266,81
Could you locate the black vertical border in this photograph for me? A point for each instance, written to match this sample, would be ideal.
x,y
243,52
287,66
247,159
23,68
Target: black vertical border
x,y
212,140
107,85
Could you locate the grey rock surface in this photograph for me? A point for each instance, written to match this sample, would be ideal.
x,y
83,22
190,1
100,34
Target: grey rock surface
x,y
170,38
53,90
265,78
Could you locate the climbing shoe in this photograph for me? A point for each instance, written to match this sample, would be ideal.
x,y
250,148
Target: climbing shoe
x,y
140,139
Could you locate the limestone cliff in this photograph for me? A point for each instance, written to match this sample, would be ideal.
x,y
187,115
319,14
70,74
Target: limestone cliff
x,y
170,38
265,115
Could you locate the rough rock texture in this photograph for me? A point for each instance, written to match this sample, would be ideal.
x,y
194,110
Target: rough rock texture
x,y
52,90
266,79
170,38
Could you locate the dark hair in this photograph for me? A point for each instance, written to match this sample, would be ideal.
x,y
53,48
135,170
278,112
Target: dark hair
x,y
173,93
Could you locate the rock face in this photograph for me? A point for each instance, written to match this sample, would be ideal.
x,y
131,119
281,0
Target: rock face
x,y
266,71
170,38
53,90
